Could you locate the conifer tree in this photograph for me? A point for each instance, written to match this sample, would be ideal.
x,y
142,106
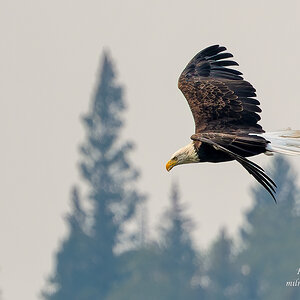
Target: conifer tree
x,y
166,270
271,237
179,258
109,174
222,270
71,263
112,195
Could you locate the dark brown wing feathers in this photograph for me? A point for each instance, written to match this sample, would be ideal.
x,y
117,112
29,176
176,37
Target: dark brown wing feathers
x,y
224,109
242,143
218,96
255,170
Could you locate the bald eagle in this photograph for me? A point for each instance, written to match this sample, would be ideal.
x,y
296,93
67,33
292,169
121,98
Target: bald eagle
x,y
226,115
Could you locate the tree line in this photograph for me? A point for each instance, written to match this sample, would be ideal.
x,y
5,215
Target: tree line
x,y
89,264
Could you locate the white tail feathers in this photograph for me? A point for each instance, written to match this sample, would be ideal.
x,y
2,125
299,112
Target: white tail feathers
x,y
285,141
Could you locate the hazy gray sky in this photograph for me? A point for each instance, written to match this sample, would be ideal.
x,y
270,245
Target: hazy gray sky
x,y
50,52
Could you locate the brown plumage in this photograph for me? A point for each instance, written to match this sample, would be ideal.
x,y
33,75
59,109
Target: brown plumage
x,y
219,98
225,114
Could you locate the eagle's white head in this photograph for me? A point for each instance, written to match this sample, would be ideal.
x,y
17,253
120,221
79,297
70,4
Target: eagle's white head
x,y
185,155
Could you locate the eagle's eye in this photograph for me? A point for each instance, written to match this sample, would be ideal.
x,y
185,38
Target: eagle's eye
x,y
175,158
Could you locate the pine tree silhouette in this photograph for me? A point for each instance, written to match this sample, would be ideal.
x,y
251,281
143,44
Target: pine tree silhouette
x,y
271,239
88,266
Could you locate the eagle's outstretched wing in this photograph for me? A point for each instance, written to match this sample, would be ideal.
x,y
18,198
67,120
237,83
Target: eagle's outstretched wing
x,y
219,98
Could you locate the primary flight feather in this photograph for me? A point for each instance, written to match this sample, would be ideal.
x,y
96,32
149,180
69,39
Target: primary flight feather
x,y
226,113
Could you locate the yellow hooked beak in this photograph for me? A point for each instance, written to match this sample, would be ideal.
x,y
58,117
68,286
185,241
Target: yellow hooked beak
x,y
170,164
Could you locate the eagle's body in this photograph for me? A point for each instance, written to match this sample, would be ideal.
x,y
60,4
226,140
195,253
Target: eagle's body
x,y
226,116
